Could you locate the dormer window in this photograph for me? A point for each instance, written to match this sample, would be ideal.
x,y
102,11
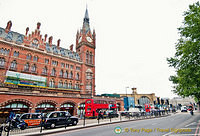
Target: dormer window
x,y
35,43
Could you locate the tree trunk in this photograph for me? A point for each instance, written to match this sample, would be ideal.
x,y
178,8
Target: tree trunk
x,y
198,105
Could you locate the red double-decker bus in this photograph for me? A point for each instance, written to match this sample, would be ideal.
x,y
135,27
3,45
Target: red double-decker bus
x,y
93,106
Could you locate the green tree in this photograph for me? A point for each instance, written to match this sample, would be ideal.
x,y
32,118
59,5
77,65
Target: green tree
x,y
186,60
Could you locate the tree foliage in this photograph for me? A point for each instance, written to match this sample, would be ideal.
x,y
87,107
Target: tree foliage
x,y
186,60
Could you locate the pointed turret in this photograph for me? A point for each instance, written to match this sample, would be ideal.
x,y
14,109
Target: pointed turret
x,y
86,18
86,25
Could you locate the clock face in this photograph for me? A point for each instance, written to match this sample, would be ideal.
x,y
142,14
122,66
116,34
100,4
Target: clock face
x,y
79,39
89,39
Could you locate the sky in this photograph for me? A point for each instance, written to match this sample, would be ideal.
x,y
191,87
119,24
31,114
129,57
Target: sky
x,y
133,37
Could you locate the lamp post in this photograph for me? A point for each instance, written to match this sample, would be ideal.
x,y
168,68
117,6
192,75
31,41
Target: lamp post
x,y
126,91
89,75
127,99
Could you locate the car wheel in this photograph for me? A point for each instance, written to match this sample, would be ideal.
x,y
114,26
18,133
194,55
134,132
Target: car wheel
x,y
53,125
24,126
6,128
74,122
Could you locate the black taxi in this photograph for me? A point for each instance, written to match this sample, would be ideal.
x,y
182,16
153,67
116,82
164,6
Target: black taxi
x,y
59,118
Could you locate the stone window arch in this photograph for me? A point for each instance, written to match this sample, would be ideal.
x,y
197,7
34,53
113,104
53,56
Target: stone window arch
x,y
13,65
26,67
52,83
2,62
28,57
87,57
33,68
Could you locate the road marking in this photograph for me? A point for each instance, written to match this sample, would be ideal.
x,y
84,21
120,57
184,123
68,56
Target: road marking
x,y
190,124
197,129
167,134
182,135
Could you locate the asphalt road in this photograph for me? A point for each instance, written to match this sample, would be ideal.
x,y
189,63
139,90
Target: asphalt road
x,y
166,126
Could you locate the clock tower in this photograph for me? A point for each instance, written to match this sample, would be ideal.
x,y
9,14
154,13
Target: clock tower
x,y
85,46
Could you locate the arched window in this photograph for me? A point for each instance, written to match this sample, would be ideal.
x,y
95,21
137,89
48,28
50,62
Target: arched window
x,y
90,59
16,105
7,52
13,64
26,67
77,86
52,83
65,74
2,51
35,58
87,57
88,86
16,54
71,75
60,85
28,57
77,76
2,62
143,100
61,73
70,85
33,68
44,71
65,84
45,105
53,72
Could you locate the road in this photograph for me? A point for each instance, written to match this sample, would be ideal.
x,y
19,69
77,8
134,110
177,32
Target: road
x,y
165,126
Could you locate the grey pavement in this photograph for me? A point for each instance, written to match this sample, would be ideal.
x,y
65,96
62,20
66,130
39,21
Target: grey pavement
x,y
88,123
181,124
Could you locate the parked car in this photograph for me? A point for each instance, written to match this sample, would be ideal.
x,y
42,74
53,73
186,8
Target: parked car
x,y
113,114
58,118
31,119
183,109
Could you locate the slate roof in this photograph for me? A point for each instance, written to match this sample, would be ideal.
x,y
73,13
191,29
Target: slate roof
x,y
19,38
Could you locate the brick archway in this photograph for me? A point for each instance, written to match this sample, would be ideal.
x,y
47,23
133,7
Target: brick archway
x,y
146,97
29,104
47,101
81,102
71,110
46,106
69,101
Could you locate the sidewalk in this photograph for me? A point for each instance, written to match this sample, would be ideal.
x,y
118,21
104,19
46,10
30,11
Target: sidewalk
x,y
88,123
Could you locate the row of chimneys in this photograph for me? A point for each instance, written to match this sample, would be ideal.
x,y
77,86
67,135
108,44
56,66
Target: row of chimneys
x,y
9,25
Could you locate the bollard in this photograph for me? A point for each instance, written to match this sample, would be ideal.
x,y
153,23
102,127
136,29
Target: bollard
x,y
110,119
98,118
1,130
84,120
120,117
9,123
66,122
41,124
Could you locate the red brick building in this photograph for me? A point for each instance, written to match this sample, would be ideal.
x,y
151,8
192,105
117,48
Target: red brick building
x,y
37,75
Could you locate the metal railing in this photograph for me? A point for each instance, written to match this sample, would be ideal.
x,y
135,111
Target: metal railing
x,y
84,122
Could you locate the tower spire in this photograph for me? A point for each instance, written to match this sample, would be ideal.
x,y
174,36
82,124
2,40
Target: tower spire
x,y
86,18
86,24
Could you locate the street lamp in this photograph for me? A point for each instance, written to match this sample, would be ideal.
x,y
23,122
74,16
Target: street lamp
x,y
126,90
89,76
127,107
